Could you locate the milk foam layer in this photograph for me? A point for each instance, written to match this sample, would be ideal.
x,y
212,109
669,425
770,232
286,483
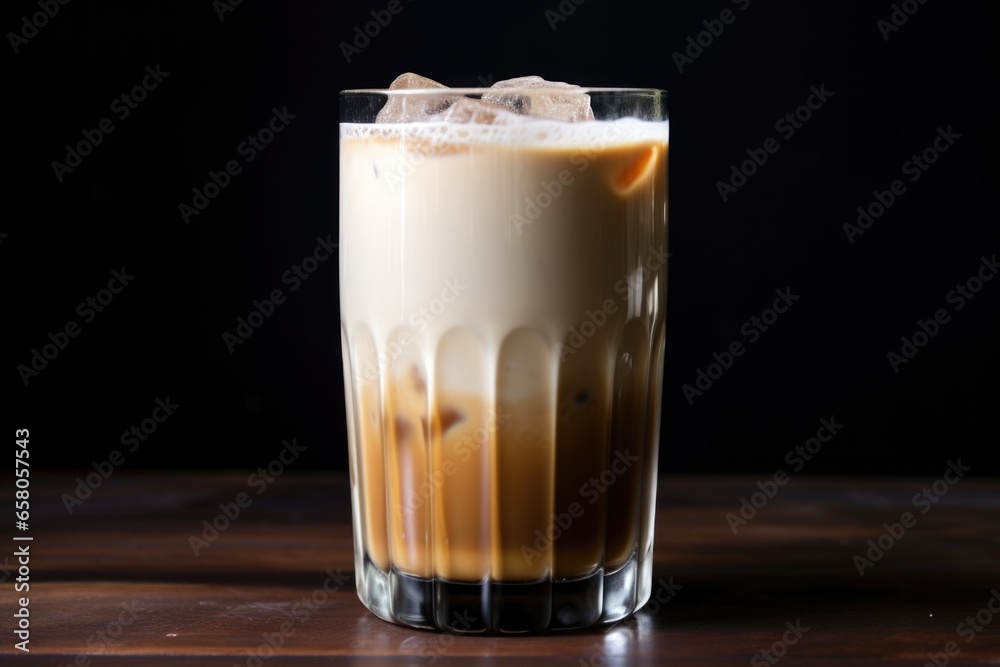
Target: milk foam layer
x,y
530,131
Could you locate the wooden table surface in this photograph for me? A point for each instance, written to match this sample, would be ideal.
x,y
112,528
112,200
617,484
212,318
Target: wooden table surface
x,y
117,582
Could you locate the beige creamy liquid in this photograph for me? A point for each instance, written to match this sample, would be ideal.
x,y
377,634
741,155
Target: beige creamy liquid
x,y
503,356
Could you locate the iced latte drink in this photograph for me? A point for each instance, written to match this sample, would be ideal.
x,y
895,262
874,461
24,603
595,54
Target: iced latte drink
x,y
503,283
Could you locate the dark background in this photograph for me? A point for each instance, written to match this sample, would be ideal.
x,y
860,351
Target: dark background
x,y
162,336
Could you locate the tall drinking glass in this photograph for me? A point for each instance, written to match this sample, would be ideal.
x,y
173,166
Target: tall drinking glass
x,y
503,284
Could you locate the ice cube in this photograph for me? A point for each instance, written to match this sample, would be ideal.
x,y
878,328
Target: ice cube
x,y
412,108
469,110
571,106
411,80
444,107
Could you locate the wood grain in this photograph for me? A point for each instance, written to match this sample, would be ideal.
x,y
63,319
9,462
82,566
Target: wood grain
x,y
117,582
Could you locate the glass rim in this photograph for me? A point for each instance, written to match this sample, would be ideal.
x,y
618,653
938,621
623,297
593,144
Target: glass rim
x,y
518,90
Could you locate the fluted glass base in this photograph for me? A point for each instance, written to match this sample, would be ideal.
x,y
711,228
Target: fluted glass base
x,y
493,607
